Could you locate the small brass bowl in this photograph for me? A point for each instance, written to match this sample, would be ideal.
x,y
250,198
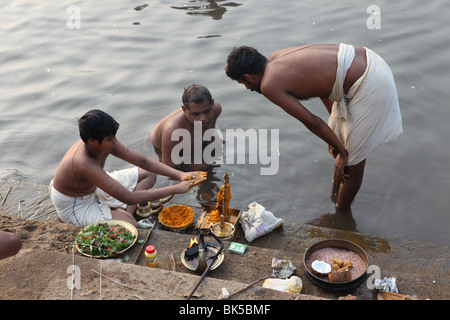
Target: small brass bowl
x,y
143,210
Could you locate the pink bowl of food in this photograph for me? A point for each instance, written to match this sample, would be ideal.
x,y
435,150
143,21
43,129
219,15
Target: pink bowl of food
x,y
336,264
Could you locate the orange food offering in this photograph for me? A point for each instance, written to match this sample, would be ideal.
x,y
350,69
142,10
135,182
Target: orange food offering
x,y
177,216
223,201
202,176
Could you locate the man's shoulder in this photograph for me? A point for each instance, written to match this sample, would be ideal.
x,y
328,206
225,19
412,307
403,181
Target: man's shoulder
x,y
175,120
217,108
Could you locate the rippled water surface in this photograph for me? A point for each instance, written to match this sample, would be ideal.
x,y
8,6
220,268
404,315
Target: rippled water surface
x,y
133,59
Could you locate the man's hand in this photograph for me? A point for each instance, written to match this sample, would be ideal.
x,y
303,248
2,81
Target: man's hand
x,y
195,177
183,187
340,163
332,151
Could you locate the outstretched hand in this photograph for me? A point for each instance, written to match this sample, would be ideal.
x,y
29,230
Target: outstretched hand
x,y
195,177
184,186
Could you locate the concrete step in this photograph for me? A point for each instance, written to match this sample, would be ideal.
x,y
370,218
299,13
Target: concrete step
x,y
45,275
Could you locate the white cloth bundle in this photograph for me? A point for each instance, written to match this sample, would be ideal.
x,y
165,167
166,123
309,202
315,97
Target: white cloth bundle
x,y
369,114
257,221
127,178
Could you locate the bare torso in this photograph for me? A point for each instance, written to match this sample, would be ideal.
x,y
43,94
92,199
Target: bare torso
x,y
182,118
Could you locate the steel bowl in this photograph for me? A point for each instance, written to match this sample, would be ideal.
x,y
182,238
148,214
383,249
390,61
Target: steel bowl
x,y
340,244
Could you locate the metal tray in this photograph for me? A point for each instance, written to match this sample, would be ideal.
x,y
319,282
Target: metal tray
x,y
235,215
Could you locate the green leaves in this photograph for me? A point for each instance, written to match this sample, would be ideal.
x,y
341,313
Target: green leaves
x,y
104,240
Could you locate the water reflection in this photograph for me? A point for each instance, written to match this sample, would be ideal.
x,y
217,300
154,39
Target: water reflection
x,y
210,8
369,243
141,7
206,192
342,219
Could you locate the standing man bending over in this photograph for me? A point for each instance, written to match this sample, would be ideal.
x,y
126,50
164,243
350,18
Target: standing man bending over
x,y
356,86
83,193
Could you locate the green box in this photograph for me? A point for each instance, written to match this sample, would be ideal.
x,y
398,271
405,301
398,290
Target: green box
x,y
237,247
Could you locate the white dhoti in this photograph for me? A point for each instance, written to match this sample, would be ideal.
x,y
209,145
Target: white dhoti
x,y
369,114
95,207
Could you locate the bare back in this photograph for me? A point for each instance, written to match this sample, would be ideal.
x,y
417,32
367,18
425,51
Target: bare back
x,y
310,71
67,179
175,119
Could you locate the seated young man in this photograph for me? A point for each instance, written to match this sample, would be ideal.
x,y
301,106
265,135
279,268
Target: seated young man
x,y
198,105
83,193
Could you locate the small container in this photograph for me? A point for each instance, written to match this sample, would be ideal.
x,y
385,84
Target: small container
x,y
237,247
151,256
143,209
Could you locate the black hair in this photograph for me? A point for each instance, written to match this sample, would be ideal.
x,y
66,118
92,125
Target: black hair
x,y
195,93
244,60
97,124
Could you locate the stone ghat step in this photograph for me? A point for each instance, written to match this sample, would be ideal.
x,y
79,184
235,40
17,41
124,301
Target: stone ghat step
x,y
44,275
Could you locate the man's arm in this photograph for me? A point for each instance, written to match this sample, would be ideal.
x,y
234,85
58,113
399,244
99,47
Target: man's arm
x,y
95,174
328,104
148,164
167,146
316,125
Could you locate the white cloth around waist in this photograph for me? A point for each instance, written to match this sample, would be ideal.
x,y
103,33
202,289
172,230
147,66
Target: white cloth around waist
x,y
369,115
94,207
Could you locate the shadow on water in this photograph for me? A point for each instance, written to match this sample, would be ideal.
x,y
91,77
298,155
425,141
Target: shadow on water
x,y
342,219
368,243
342,225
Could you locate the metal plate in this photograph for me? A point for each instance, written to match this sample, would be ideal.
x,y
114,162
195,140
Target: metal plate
x,y
179,227
229,230
124,224
213,250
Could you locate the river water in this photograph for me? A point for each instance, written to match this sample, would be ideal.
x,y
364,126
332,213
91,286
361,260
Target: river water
x,y
133,59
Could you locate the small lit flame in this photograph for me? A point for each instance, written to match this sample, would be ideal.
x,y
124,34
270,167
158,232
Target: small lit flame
x,y
193,241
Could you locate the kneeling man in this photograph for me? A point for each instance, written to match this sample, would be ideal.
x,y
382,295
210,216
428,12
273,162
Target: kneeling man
x,y
198,105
